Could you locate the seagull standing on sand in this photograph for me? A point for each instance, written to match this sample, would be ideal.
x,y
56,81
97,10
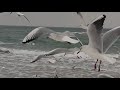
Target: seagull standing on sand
x,y
98,43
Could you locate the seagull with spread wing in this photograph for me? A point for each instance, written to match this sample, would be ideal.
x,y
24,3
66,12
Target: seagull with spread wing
x,y
98,43
22,15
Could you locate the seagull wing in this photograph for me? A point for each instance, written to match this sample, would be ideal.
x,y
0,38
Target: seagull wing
x,y
21,14
38,58
68,33
27,19
94,33
36,33
72,34
70,40
53,52
110,37
83,27
62,37
81,17
81,33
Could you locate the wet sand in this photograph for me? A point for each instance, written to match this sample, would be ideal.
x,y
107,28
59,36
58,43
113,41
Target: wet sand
x,y
14,65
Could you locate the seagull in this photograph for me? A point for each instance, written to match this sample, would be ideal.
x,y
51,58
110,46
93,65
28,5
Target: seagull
x,y
53,52
20,15
41,32
98,43
83,25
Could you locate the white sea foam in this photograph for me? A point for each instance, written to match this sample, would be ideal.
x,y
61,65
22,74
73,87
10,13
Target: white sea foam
x,y
18,51
4,43
82,55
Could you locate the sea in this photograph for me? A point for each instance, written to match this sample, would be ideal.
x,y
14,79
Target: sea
x,y
11,37
17,63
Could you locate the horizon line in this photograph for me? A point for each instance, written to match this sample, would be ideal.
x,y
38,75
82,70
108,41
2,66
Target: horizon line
x,y
46,26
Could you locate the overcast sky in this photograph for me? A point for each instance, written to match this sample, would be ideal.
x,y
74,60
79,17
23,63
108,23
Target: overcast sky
x,y
59,19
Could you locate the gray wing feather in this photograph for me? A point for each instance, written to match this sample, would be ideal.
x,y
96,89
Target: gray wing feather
x,y
27,19
110,37
53,52
81,16
36,33
94,33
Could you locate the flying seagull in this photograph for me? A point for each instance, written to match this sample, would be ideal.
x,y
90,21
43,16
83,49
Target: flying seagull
x,y
99,44
22,15
53,52
42,32
48,33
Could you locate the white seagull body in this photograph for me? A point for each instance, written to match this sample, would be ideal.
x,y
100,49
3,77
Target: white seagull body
x,y
48,33
98,43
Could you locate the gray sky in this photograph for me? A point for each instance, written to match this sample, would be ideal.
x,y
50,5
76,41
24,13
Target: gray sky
x,y
59,19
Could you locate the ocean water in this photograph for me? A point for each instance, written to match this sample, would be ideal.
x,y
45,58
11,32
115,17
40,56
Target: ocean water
x,y
17,64
12,36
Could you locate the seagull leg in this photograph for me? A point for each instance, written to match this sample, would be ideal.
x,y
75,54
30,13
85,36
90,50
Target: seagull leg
x,y
79,57
95,66
79,50
78,53
99,66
